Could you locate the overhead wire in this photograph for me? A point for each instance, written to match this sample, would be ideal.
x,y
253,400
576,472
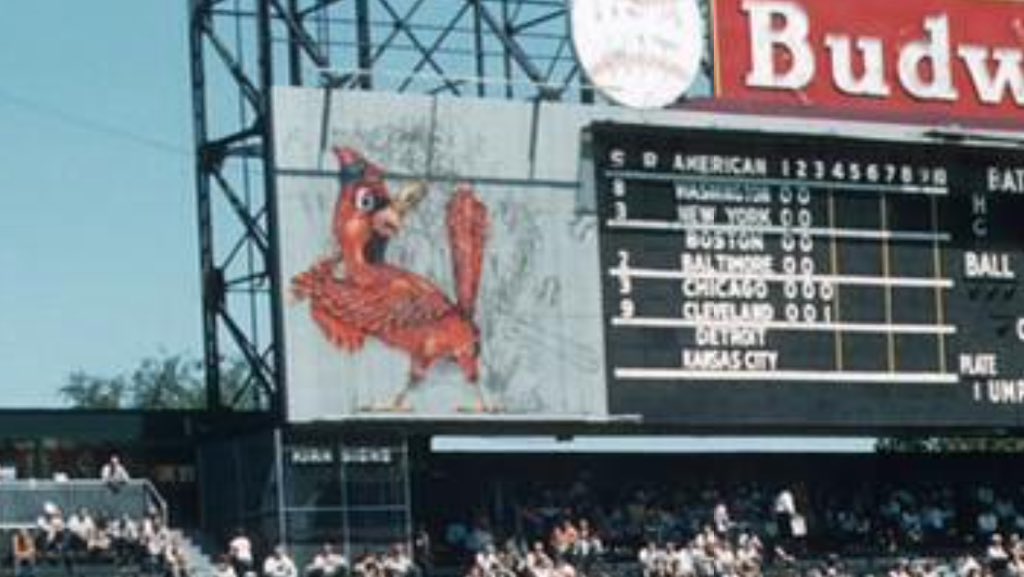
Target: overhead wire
x,y
60,115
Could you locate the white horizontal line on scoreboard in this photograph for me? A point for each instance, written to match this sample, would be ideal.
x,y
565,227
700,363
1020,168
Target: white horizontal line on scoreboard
x,y
645,374
932,190
851,280
817,326
859,234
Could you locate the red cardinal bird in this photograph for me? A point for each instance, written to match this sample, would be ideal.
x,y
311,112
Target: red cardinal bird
x,y
353,294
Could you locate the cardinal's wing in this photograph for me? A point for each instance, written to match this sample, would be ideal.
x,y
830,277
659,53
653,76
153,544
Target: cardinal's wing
x,y
388,299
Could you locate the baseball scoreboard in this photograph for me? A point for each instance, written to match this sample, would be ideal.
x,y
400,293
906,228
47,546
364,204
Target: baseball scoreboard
x,y
755,278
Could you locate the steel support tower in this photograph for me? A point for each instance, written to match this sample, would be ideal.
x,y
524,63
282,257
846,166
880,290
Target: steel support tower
x,y
241,49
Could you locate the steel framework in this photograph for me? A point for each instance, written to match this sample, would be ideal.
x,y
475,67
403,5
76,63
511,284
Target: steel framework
x,y
241,49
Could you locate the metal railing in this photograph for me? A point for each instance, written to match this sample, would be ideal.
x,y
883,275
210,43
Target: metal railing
x,y
22,501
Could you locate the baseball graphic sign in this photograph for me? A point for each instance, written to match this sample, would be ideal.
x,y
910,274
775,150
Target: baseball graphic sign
x,y
639,53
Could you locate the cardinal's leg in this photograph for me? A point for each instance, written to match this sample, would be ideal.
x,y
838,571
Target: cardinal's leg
x,y
417,371
470,365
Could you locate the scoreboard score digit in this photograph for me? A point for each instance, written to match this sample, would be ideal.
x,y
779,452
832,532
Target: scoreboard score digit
x,y
809,280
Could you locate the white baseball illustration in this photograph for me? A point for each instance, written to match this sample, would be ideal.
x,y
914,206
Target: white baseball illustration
x,y
639,53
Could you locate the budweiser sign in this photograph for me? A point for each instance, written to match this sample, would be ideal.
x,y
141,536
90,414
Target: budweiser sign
x,y
954,58
957,60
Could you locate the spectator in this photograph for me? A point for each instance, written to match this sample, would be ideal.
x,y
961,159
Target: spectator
x,y
80,527
369,565
997,559
423,554
327,563
587,548
784,509
279,564
23,547
487,560
175,560
398,563
114,474
538,563
240,552
223,567
124,536
155,540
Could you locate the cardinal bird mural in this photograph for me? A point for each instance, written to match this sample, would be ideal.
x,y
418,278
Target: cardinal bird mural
x,y
355,295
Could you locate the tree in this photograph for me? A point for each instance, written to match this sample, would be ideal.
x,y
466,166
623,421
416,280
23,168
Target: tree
x,y
173,382
84,391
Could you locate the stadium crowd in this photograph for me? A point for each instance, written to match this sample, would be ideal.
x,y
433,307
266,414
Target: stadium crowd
x,y
83,537
739,530
583,529
240,561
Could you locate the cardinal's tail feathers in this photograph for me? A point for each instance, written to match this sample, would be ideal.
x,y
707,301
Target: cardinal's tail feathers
x,y
468,226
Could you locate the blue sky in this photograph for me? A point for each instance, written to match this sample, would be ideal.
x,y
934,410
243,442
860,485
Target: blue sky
x,y
97,209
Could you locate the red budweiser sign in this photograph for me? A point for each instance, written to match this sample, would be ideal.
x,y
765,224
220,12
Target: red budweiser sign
x,y
951,60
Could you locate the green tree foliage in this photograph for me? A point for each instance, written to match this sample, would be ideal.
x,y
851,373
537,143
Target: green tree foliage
x,y
171,382
87,391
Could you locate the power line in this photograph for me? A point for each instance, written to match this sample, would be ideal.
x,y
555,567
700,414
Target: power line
x,y
53,113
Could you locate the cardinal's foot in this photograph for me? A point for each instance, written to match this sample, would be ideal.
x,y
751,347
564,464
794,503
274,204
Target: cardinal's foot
x,y
481,409
396,406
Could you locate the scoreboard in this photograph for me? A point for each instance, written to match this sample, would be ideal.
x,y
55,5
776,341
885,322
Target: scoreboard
x,y
804,280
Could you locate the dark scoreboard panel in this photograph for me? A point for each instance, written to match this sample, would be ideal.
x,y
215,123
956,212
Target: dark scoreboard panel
x,y
808,280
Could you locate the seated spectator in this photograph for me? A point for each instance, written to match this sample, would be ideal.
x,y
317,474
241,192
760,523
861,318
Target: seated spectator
x,y
175,561
720,519
587,548
563,569
563,538
53,530
327,563
223,567
80,527
650,558
279,564
997,559
538,563
23,549
98,542
488,560
124,538
369,565
397,563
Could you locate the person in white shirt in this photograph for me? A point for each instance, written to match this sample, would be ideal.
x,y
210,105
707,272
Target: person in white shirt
x,y
223,567
327,563
488,560
175,560
240,552
538,563
721,520
785,511
157,539
279,564
114,474
398,563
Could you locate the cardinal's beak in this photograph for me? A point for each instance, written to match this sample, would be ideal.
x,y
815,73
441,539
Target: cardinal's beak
x,y
388,221
410,196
